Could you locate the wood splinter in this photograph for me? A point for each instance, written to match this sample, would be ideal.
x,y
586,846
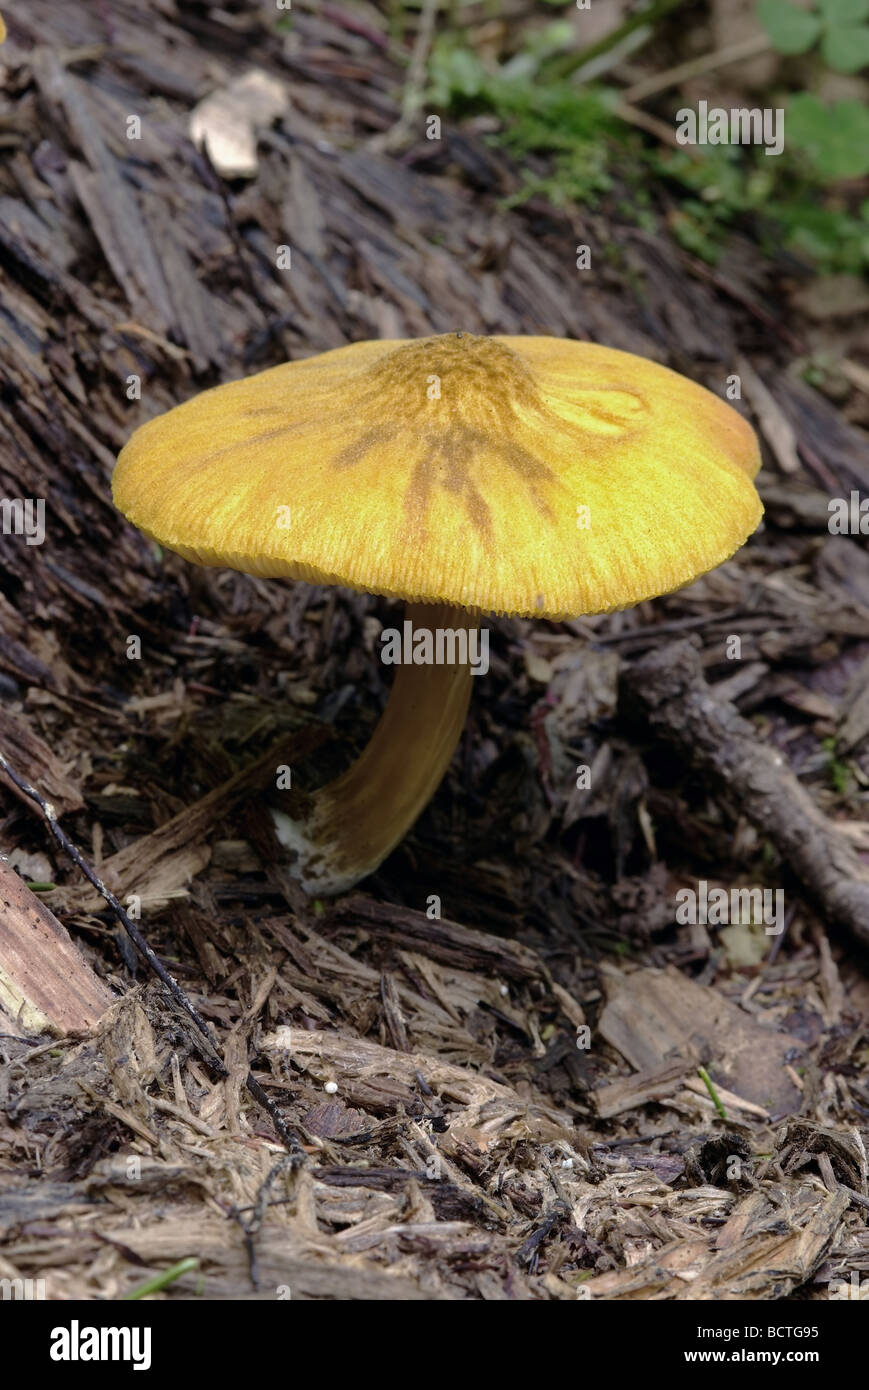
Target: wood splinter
x,y
46,985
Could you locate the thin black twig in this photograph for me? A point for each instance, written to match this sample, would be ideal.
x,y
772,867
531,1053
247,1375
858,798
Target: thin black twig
x,y
252,1227
138,940
212,1053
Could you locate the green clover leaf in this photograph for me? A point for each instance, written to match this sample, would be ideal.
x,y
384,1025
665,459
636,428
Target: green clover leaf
x,y
846,49
790,30
839,12
835,138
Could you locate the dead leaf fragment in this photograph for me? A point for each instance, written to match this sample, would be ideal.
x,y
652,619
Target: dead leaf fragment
x,y
226,122
656,1016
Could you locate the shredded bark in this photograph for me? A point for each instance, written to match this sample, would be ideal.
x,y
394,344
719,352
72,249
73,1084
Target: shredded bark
x,y
504,1065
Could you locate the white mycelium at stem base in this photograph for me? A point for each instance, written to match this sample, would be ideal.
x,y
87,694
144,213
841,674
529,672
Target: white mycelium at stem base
x,y
354,822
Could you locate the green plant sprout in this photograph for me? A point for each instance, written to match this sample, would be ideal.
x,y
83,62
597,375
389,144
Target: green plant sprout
x,y
163,1280
840,25
838,770
716,1099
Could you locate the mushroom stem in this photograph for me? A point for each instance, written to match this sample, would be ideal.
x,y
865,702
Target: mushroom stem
x,y
353,823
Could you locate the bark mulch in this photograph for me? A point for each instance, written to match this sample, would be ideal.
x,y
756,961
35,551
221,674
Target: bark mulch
x,y
509,1100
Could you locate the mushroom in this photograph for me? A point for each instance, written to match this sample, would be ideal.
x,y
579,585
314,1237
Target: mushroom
x,y
465,475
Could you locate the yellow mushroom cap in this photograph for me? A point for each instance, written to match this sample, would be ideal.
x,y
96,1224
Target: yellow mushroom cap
x,y
534,476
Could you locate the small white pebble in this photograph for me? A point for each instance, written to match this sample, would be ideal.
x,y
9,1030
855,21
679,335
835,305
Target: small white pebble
x,y
504,991
330,1088
567,1163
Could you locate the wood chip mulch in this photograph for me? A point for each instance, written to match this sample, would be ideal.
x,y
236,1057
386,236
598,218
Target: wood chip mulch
x,y
506,1101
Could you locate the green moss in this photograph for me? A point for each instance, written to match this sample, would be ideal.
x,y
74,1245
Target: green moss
x,y
572,147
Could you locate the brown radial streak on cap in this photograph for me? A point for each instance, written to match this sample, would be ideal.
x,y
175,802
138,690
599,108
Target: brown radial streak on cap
x,y
452,469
